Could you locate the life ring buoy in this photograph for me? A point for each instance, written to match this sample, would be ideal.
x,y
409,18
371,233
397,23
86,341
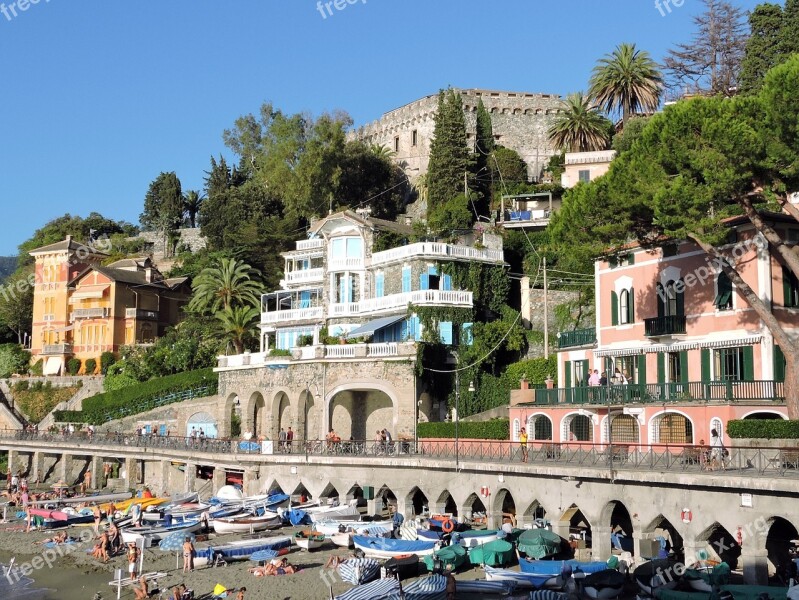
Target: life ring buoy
x,y
686,515
448,526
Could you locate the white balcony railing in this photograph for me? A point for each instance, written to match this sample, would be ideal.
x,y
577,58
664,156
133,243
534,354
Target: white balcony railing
x,y
436,249
297,314
89,313
350,263
419,298
305,276
378,350
139,313
345,309
310,244
48,318
57,349
341,351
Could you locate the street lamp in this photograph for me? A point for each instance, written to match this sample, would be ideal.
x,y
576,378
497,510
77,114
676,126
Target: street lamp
x,y
458,415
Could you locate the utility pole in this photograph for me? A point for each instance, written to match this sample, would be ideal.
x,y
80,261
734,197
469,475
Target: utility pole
x,y
546,311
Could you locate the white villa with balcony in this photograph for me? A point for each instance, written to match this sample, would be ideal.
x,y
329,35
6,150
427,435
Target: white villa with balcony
x,y
335,280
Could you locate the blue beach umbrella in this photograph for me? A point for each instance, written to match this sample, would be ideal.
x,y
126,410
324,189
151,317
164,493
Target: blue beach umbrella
x,y
433,587
174,543
263,555
382,588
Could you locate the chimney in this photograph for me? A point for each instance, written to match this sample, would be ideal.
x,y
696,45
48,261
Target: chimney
x,y
69,238
523,383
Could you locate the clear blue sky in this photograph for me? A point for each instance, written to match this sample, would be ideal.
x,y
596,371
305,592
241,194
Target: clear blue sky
x,y
99,97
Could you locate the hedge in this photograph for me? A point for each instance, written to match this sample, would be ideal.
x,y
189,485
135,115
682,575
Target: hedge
x,y
764,429
496,429
145,396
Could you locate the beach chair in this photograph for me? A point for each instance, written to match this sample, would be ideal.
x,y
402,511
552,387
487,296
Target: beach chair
x,y
219,560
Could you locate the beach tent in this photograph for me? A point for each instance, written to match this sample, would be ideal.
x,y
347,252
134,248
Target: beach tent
x,y
539,543
494,554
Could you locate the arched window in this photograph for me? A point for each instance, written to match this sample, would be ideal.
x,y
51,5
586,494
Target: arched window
x,y
715,423
671,302
516,429
539,427
672,428
581,429
626,307
624,429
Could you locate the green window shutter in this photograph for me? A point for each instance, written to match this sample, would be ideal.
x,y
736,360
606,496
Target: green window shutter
x,y
614,308
631,306
586,373
684,366
661,367
749,363
642,369
705,360
661,299
567,369
631,258
680,300
608,367
787,297
779,364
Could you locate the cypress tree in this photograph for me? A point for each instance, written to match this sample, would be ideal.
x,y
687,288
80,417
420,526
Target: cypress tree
x,y
765,46
449,153
483,149
790,28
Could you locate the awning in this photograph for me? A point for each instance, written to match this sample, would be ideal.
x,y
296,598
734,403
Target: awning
x,y
372,326
52,366
88,291
681,346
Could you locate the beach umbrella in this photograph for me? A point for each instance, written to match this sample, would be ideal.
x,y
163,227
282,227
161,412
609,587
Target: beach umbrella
x,y
433,587
219,590
381,588
264,555
174,543
538,543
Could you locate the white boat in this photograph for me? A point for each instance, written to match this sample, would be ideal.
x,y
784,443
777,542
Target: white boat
x,y
96,499
376,547
156,534
337,526
240,549
343,540
246,524
339,512
309,540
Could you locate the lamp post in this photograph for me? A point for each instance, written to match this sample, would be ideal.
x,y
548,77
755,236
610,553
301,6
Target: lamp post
x,y
458,416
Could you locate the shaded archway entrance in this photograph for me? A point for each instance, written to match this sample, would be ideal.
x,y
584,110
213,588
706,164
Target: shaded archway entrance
x,y
275,488
258,415
417,502
359,413
504,508
778,548
329,492
720,545
281,413
661,528
577,524
307,413
301,493
616,515
446,504
474,510
535,516
386,500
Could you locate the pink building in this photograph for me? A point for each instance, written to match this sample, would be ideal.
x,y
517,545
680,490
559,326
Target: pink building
x,y
692,353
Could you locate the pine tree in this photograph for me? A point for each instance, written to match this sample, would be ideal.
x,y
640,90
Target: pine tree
x,y
449,153
790,28
765,47
483,149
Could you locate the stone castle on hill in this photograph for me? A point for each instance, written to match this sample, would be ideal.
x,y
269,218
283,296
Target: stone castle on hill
x,y
520,121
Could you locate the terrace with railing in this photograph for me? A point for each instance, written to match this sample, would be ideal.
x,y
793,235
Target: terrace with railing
x,y
577,337
659,393
434,250
320,352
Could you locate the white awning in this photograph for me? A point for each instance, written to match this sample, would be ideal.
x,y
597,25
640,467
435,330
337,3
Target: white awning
x,y
372,326
88,291
681,346
52,366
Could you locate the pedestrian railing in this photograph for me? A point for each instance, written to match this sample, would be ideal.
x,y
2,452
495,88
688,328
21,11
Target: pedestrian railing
x,y
614,457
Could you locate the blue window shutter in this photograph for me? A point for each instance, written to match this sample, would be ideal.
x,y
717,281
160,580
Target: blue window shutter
x,y
445,332
305,299
379,279
162,430
447,283
406,279
432,270
424,281
466,334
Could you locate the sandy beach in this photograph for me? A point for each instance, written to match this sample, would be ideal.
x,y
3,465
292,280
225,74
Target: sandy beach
x,y
78,576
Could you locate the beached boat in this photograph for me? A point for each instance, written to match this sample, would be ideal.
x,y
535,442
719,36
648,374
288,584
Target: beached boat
x,y
358,571
703,579
523,580
246,524
450,558
54,519
739,592
87,499
431,587
603,585
484,587
472,538
494,554
126,504
388,547
656,574
309,540
333,527
340,512
403,566
556,567
157,533
240,549
342,540
380,588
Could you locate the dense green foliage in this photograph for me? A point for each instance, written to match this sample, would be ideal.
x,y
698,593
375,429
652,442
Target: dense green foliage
x,y
142,397
13,360
106,360
38,400
579,127
768,429
73,366
764,48
450,159
623,141
163,205
90,366
496,429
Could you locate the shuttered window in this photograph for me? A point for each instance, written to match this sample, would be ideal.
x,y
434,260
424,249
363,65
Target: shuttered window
x,y
723,299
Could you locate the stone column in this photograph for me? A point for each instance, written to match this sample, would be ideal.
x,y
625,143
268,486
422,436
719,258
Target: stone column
x,y
250,481
371,506
755,564
693,549
164,469
37,468
131,472
561,528
219,479
404,507
13,461
96,469
600,548
190,476
64,468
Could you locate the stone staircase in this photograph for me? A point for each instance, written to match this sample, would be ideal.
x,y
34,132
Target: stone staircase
x,y
9,416
91,387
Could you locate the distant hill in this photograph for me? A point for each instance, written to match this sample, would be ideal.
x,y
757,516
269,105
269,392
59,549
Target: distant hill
x,y
8,264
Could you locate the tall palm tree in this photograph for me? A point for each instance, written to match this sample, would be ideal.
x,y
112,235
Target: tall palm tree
x,y
579,127
192,201
231,283
238,325
382,151
626,81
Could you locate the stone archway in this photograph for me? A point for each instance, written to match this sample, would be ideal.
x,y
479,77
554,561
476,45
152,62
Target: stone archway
x,y
778,546
202,424
474,509
446,504
504,508
281,414
359,413
665,533
416,502
535,515
720,544
616,517
308,418
330,491
231,425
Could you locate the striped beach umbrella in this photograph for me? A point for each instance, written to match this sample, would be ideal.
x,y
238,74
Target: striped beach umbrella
x,y
433,587
382,588
359,570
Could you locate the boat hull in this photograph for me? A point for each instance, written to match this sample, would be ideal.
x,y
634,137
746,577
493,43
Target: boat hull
x,y
391,548
241,549
250,525
156,534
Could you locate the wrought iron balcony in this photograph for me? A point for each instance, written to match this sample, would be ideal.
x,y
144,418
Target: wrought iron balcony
x,y
670,325
89,313
577,337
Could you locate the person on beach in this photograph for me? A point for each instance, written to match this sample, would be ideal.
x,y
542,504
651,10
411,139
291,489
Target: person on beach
x,y
142,590
133,560
240,593
334,561
188,555
98,516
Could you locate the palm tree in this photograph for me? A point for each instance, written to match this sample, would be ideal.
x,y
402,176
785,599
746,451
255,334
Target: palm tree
x,y
382,151
626,81
238,325
231,283
579,127
192,201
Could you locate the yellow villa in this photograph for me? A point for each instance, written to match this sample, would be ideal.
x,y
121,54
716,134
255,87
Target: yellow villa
x,y
82,308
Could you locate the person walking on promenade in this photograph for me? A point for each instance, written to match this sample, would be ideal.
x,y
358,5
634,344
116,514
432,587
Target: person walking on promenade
x,y
523,443
281,440
289,439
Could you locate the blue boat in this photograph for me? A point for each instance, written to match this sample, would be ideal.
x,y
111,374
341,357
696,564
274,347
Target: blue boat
x,y
389,548
556,567
241,549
